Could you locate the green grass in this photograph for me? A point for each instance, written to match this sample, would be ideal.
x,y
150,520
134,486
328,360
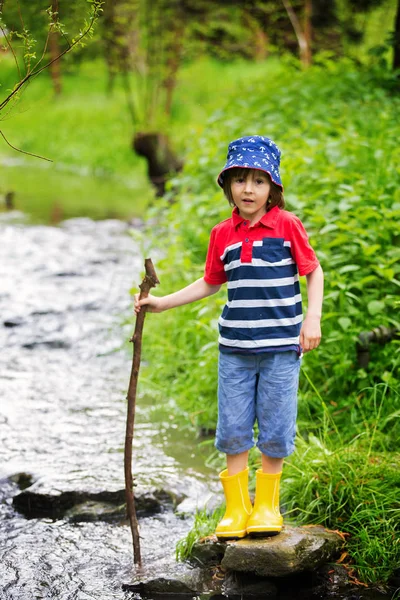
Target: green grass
x,y
350,489
204,525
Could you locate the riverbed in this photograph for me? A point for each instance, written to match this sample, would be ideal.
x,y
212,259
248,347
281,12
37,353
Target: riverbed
x,y
66,317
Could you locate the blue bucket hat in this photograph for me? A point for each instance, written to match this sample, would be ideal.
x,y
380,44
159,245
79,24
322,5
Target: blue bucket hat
x,y
253,152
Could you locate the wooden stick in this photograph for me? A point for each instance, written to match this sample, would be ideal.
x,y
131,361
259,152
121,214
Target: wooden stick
x,y
150,280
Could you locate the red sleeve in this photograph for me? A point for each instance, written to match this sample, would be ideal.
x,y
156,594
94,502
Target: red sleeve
x,y
214,272
302,251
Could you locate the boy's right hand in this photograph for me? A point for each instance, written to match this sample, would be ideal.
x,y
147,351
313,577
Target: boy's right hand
x,y
153,303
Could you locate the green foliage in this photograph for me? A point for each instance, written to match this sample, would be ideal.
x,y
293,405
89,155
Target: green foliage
x,y
31,20
349,489
30,57
338,130
204,524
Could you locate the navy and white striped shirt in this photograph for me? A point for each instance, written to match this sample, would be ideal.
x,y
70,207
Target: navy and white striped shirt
x,y
261,265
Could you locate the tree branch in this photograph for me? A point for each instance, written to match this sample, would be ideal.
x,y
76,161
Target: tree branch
x,y
23,151
5,36
34,73
150,280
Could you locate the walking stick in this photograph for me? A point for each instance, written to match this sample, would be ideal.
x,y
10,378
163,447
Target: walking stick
x,y
150,280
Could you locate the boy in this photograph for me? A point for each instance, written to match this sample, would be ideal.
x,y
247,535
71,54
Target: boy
x,y
259,252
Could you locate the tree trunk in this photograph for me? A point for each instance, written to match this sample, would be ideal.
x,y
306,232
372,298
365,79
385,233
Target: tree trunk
x,y
260,37
161,160
396,46
308,30
304,49
260,45
54,49
174,51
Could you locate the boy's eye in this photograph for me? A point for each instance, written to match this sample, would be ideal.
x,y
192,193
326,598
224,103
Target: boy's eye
x,y
259,181
239,179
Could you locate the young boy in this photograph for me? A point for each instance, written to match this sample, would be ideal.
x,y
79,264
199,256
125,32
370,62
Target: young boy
x,y
259,252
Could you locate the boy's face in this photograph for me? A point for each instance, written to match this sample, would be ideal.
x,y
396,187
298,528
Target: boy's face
x,y
250,193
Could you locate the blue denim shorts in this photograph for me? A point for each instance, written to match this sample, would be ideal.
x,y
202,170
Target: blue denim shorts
x,y
257,387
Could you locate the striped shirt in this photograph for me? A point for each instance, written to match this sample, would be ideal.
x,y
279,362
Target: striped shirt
x,y
261,265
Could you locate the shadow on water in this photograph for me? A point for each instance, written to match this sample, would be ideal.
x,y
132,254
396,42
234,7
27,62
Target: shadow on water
x,y
50,193
63,382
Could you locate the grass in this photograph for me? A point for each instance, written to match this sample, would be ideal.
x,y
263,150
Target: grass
x,y
352,490
204,525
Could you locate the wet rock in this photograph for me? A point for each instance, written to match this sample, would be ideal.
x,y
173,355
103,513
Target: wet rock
x,y
161,587
36,502
333,581
394,580
247,586
53,344
183,583
208,552
23,480
14,322
92,510
294,550
329,581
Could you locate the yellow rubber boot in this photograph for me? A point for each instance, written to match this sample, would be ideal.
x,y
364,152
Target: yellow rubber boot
x,y
266,518
238,505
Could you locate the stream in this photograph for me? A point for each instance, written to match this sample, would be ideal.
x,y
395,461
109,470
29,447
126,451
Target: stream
x,y
64,371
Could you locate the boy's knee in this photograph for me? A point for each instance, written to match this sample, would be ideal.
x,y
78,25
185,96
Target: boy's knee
x,y
276,449
233,444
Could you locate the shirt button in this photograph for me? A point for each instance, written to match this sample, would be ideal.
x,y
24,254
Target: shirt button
x,y
246,240
244,222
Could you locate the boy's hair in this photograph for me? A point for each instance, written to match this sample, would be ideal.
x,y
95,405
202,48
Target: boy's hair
x,y
276,194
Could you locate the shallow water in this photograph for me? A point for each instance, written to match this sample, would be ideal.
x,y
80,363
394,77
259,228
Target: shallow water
x,y
63,381
52,192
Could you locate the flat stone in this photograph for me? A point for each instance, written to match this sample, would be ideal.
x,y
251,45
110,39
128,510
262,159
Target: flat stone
x,y
39,501
294,550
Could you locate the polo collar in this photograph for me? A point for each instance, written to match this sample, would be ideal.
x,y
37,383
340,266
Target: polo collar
x,y
268,220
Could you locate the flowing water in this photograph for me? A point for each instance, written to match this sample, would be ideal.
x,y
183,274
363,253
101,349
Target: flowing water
x,y
64,371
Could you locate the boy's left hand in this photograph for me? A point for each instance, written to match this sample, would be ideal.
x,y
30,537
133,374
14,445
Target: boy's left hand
x,y
310,333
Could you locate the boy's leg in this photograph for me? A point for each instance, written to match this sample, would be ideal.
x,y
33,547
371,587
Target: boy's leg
x,y
276,414
236,416
237,383
271,465
276,404
236,462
